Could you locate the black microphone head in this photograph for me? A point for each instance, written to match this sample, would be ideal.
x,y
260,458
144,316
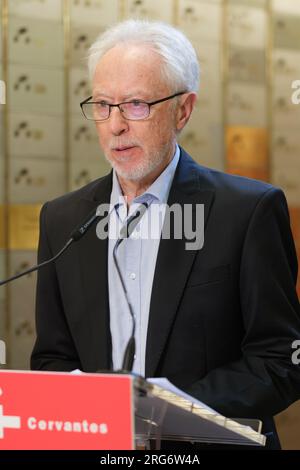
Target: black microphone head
x,y
81,229
129,355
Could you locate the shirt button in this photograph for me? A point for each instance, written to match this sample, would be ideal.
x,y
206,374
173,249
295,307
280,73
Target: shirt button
x,y
132,276
135,235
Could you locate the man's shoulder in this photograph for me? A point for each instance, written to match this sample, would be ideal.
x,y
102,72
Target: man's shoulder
x,y
229,185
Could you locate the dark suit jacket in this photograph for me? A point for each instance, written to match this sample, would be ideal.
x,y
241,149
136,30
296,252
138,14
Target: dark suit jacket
x,y
222,320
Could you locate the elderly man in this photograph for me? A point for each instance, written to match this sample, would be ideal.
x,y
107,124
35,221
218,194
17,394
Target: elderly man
x,y
219,321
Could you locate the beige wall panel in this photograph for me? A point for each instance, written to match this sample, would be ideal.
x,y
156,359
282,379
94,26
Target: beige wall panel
x,y
47,9
94,12
247,23
209,55
287,178
82,36
33,180
85,171
246,105
29,42
286,31
84,141
247,65
285,113
21,341
249,3
286,148
208,106
201,19
286,6
36,136
205,144
23,292
0,36
33,89
80,89
149,9
286,65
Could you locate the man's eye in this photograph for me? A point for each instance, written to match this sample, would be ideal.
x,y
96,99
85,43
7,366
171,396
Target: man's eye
x,y
137,103
102,104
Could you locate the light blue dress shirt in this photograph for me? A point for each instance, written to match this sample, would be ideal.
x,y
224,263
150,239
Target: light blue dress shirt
x,y
137,259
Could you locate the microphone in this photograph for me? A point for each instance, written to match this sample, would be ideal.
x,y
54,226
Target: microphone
x,y
76,234
125,232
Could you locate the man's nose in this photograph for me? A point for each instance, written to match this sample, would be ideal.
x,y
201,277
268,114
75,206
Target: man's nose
x,y
118,123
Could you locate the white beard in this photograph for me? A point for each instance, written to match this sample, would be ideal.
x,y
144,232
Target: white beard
x,y
143,169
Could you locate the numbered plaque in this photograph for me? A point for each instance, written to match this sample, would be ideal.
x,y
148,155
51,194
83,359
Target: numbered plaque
x,y
85,171
35,180
94,12
31,135
80,89
149,9
246,26
36,90
36,42
42,9
84,139
246,105
201,19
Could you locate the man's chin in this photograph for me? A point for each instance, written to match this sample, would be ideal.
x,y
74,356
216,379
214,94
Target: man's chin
x,y
130,174
132,171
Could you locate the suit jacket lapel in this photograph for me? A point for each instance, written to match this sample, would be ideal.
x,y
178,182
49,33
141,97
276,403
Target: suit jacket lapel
x,y
92,253
174,263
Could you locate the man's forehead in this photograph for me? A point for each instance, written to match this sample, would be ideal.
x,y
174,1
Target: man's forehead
x,y
126,73
131,51
134,59
145,93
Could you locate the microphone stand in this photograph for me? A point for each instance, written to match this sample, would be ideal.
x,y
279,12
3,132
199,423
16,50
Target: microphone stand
x,y
125,232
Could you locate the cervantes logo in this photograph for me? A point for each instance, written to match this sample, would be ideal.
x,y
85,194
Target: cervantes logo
x,y
42,410
12,422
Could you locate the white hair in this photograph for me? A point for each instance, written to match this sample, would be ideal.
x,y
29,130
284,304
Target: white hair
x,y
180,66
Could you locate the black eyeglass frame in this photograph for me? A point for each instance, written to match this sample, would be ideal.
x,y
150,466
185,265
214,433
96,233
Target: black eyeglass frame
x,y
117,105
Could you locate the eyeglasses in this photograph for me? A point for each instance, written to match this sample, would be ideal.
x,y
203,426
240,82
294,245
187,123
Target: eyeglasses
x,y
132,110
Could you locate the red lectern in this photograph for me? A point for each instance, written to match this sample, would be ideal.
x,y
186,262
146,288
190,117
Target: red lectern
x,y
59,411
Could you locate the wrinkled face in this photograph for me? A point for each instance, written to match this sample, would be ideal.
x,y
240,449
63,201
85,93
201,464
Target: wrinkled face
x,y
135,149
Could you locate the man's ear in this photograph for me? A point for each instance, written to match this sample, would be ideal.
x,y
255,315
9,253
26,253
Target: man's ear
x,y
184,110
